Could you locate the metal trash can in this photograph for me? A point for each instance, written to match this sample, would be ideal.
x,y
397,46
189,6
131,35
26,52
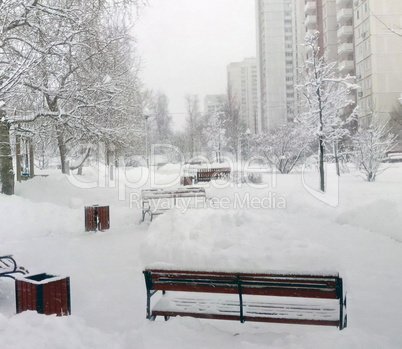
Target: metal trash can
x,y
97,218
47,294
188,180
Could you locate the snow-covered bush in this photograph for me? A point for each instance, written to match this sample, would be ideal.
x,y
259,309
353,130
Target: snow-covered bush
x,y
284,148
370,147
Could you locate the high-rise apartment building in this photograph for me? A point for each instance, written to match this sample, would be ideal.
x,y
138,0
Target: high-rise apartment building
x,y
378,56
358,34
214,103
321,16
364,46
242,81
278,45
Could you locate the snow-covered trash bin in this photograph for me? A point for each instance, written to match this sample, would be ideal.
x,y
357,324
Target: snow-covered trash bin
x,y
97,218
47,294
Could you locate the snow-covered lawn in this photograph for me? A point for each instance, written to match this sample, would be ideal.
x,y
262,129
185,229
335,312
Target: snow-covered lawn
x,y
361,238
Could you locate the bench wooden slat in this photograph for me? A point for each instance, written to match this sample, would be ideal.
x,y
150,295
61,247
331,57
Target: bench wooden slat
x,y
217,274
271,291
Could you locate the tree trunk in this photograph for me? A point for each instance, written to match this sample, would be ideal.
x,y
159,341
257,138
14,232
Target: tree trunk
x,y
322,173
6,160
338,172
63,151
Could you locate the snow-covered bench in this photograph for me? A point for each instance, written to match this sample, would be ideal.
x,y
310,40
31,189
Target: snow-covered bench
x,y
157,201
295,298
9,267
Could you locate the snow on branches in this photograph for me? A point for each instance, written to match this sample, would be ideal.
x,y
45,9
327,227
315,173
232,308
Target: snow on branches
x,y
215,134
326,100
326,96
283,148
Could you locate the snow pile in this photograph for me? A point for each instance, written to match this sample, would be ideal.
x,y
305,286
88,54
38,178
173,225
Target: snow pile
x,y
239,240
43,227
53,332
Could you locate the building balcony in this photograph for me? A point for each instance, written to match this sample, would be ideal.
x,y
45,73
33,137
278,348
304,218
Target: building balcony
x,y
346,66
344,3
310,21
345,48
344,14
345,31
310,8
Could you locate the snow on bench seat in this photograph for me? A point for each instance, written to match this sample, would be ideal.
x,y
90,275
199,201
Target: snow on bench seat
x,y
255,308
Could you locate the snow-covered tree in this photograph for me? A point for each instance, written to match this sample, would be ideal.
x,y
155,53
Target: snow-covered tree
x,y
215,134
283,148
193,131
160,122
81,81
370,147
12,68
232,122
326,97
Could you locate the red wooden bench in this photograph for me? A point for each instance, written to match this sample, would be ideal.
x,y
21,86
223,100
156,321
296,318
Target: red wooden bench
x,y
206,174
294,298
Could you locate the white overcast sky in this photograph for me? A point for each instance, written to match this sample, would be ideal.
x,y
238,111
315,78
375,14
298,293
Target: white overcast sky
x,y
185,46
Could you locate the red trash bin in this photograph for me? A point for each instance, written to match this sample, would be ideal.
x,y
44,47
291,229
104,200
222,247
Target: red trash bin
x,y
97,218
47,294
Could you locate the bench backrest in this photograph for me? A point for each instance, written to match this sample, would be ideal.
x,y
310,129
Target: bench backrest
x,y
203,172
327,286
220,169
147,194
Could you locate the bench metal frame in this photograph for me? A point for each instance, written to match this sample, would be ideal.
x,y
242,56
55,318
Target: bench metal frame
x,y
9,267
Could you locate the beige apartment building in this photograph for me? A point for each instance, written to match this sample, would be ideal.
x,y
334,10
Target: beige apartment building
x,y
378,56
214,103
361,35
279,34
242,80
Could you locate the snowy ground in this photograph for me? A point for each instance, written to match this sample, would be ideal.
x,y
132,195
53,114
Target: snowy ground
x,y
280,226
